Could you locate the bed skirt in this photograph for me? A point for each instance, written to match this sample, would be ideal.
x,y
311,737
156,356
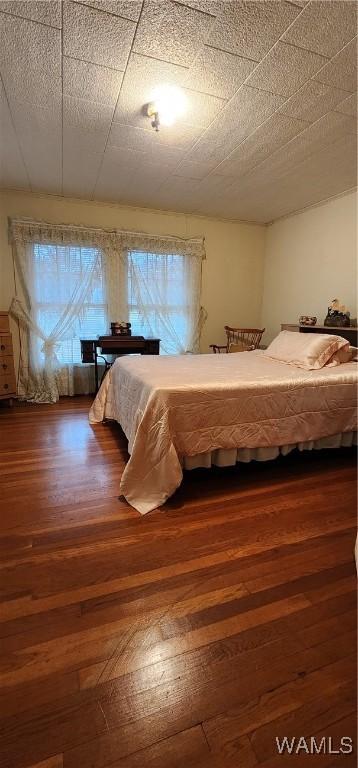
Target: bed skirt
x,y
228,457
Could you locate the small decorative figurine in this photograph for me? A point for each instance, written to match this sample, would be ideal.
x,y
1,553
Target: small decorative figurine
x,y
121,329
337,315
307,320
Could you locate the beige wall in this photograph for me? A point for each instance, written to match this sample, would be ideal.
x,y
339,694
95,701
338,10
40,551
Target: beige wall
x,y
310,258
232,272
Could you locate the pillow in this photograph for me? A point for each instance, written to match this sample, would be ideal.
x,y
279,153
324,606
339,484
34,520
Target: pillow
x,y
240,346
342,356
305,350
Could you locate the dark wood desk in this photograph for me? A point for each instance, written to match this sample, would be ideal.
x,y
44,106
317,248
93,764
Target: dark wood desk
x,y
115,345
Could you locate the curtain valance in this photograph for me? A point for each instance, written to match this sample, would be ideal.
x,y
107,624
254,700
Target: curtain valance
x,y
23,232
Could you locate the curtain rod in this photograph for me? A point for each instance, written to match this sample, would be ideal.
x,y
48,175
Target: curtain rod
x,y
104,231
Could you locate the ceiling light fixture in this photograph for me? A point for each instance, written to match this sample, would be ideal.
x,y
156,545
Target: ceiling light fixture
x,y
167,104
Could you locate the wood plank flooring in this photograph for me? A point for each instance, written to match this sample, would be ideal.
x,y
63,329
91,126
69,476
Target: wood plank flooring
x,y
191,637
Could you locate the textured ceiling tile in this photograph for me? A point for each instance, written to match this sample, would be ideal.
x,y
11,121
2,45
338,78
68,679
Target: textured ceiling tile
x,y
34,123
195,170
91,82
145,141
141,78
202,108
348,106
208,152
312,101
218,72
30,60
213,7
324,132
45,11
245,112
85,124
177,193
124,172
274,133
180,137
86,115
12,169
285,69
324,27
341,71
171,32
251,28
39,134
128,9
80,172
95,36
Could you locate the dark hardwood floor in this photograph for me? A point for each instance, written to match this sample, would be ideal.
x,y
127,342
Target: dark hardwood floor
x,y
187,638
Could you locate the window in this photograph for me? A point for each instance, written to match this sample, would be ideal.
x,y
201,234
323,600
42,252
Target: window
x,y
159,298
56,272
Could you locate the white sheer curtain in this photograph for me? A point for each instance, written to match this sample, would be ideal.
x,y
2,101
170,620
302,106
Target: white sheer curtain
x,y
61,296
72,281
164,299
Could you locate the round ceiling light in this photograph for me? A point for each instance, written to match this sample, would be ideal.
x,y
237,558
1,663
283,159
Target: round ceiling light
x,y
168,104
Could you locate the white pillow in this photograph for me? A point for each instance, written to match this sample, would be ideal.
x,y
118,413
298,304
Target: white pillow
x,y
305,350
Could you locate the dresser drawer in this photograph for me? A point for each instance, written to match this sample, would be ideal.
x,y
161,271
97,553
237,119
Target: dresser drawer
x,y
7,365
5,346
7,385
4,323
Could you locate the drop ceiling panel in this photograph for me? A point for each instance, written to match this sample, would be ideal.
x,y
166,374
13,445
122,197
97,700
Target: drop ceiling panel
x,y
218,72
323,27
285,69
341,71
45,11
171,32
270,124
90,81
128,9
34,76
313,101
249,28
94,36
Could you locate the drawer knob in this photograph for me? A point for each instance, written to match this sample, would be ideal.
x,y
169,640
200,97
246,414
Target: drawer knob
x,y
3,346
4,365
6,386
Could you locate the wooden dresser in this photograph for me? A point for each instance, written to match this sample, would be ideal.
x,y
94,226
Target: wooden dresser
x,y
349,332
7,368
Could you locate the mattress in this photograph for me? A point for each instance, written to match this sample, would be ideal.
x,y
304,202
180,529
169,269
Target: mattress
x,y
172,407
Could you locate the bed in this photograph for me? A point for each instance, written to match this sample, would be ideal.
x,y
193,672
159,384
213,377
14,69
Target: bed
x,y
193,410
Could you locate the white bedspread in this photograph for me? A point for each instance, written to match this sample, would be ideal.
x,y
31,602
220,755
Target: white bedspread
x,y
170,407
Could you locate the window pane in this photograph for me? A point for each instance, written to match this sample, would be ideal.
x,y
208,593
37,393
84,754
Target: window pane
x,y
158,298
57,270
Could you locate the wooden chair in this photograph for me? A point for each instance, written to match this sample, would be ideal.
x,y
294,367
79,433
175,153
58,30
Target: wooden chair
x,y
249,338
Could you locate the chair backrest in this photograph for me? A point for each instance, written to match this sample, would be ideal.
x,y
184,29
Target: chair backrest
x,y
250,337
